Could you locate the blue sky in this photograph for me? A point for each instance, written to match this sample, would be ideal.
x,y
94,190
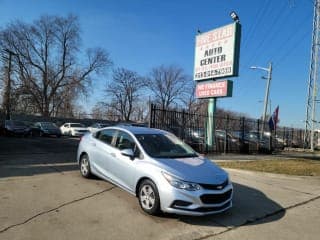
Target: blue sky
x,y
141,34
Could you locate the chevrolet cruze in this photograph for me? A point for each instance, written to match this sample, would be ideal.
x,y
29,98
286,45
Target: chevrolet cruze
x,y
163,172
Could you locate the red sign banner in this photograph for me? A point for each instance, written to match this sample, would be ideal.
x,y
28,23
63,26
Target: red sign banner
x,y
214,89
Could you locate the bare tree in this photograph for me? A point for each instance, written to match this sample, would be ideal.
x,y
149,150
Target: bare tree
x,y
168,84
46,63
124,91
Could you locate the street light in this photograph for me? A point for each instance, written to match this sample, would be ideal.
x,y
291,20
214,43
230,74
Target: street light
x,y
234,16
266,98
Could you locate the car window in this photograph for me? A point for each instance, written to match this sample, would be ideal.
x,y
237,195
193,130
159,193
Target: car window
x,y
125,141
106,135
165,146
48,125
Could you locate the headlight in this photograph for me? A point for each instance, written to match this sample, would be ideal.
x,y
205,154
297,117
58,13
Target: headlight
x,y
177,183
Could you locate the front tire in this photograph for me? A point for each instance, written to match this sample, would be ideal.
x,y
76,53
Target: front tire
x,y
85,166
149,199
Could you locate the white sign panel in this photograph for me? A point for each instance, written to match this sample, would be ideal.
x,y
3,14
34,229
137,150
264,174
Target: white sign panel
x,y
217,53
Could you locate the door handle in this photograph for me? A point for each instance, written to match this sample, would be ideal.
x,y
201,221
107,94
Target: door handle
x,y
113,154
93,144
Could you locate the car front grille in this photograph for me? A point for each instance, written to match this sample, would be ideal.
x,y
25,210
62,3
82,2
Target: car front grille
x,y
215,186
216,198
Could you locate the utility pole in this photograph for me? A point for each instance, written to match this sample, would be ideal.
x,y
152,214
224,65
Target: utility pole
x,y
266,97
312,97
7,95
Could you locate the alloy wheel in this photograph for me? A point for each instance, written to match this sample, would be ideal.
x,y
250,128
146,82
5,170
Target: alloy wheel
x,y
84,166
147,197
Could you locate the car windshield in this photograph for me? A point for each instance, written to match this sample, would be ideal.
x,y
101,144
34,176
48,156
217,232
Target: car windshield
x,y
48,125
165,146
76,125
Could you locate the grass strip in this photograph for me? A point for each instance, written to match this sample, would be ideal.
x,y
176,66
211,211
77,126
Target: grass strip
x,y
298,167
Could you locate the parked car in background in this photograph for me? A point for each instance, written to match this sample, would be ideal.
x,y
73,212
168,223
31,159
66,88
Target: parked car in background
x,y
45,129
195,135
226,142
14,127
252,140
73,129
161,170
96,126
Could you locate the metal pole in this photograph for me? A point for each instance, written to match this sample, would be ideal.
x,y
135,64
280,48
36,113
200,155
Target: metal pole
x,y
315,77
8,87
312,82
211,123
266,99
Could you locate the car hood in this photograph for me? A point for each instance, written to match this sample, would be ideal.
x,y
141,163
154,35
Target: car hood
x,y
195,169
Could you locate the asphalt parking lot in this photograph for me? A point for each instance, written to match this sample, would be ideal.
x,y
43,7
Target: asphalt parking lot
x,y
43,196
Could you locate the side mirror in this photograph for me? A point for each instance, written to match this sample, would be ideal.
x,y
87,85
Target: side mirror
x,y
128,152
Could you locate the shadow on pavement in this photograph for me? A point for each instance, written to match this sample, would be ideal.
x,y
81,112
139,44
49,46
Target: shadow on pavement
x,y
249,206
23,166
35,155
35,145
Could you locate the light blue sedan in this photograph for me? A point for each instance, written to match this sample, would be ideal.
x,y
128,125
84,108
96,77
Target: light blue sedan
x,y
154,165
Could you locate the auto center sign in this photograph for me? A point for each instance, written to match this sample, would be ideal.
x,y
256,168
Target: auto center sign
x,y
214,89
217,53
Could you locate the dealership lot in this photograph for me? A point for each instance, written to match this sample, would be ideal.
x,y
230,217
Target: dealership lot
x,y
43,196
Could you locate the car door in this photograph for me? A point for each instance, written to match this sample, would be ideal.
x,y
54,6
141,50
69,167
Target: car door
x,y
103,153
65,128
123,167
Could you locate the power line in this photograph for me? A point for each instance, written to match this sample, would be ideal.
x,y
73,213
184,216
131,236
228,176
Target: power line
x,y
272,31
260,16
290,50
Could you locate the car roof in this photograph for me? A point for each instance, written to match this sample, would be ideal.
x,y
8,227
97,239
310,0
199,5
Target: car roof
x,y
138,130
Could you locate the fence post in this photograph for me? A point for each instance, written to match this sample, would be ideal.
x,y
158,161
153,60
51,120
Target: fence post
x,y
259,137
183,125
245,148
225,145
150,114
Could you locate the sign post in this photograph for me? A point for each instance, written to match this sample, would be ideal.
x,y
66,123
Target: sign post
x,y
216,56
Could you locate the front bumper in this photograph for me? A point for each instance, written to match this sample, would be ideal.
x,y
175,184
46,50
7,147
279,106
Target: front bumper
x,y
196,203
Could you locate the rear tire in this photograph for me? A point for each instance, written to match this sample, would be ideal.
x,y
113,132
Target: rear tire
x,y
85,166
149,199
